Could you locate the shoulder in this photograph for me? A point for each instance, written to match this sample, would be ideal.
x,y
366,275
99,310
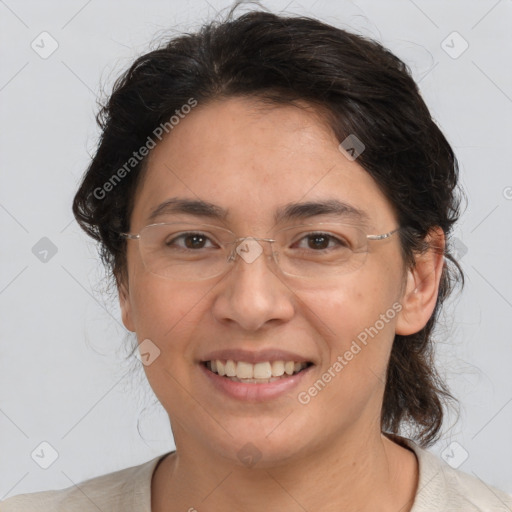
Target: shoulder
x,y
443,488
124,490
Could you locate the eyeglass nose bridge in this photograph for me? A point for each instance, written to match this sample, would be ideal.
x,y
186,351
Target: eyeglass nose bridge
x,y
248,248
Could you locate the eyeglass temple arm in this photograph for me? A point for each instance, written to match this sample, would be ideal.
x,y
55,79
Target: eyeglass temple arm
x,y
129,236
383,236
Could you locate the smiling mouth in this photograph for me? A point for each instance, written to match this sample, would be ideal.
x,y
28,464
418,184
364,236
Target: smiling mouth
x,y
258,373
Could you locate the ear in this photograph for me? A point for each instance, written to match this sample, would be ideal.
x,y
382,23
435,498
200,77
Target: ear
x,y
422,286
125,303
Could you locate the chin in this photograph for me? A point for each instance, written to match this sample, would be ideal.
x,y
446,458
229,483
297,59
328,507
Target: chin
x,y
258,443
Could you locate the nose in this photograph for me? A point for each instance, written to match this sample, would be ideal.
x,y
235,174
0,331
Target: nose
x,y
253,293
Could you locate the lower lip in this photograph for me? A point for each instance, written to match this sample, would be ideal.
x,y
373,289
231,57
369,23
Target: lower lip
x,y
253,392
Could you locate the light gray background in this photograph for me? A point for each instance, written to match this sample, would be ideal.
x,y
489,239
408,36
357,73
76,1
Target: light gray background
x,y
63,379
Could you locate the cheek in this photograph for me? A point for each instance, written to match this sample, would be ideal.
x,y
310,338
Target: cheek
x,y
357,319
169,315
361,321
165,312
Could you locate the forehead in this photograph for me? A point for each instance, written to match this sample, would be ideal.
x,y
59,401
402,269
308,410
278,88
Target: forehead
x,y
251,159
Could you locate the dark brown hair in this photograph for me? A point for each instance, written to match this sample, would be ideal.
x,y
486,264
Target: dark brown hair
x,y
362,89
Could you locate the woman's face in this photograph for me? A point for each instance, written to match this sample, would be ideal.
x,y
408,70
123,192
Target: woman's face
x,y
252,162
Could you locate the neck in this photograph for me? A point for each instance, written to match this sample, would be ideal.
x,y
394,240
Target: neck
x,y
366,473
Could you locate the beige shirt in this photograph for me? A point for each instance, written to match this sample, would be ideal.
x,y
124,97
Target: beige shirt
x,y
440,489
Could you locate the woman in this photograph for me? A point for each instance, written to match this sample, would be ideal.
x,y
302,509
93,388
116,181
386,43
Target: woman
x,y
274,202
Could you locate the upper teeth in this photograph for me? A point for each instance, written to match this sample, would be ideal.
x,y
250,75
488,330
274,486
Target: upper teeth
x,y
263,370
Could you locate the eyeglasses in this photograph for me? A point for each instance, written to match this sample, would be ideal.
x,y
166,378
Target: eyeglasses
x,y
183,251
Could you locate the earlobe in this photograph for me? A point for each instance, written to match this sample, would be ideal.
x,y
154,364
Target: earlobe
x,y
422,286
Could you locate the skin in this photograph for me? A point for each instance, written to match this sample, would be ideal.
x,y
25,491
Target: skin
x,y
329,454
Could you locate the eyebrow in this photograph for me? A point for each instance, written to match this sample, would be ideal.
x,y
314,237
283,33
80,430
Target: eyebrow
x,y
194,207
290,211
305,210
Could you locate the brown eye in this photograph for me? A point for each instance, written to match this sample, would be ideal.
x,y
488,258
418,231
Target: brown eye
x,y
195,241
321,241
318,241
188,241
